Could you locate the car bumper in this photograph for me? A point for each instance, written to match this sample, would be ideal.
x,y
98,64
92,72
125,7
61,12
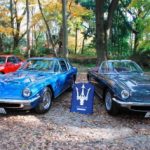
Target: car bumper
x,y
18,104
136,106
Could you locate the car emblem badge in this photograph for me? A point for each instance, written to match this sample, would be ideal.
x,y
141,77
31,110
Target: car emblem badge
x,y
82,97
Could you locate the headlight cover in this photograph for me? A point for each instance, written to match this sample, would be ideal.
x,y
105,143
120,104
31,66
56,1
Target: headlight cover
x,y
2,67
125,94
26,92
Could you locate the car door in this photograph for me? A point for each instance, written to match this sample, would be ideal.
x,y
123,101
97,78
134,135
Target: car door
x,y
65,74
99,79
14,63
9,65
60,77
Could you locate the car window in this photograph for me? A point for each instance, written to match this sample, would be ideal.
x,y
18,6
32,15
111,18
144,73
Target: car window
x,y
18,59
12,60
39,65
2,60
104,68
68,64
63,66
56,67
126,66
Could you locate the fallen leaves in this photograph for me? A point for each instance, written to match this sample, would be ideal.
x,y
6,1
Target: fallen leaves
x,y
61,129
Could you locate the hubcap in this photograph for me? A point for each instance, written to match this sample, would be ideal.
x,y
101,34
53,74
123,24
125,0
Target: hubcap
x,y
108,101
46,100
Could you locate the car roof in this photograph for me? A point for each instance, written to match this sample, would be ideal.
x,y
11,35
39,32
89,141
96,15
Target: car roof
x,y
6,55
118,60
47,58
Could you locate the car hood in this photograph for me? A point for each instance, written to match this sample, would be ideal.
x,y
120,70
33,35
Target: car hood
x,y
135,80
12,85
138,84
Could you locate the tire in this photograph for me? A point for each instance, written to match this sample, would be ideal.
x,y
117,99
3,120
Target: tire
x,y
45,103
73,83
88,78
110,106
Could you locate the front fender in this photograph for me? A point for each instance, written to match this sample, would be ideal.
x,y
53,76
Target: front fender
x,y
37,87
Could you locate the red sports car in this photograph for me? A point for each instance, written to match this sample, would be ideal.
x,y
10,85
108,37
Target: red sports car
x,y
9,63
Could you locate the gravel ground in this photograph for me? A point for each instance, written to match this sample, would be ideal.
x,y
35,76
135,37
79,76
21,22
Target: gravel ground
x,y
61,129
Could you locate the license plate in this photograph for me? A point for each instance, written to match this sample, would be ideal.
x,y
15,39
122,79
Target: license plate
x,y
2,111
147,115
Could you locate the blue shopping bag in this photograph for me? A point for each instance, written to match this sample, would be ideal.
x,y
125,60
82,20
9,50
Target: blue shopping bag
x,y
82,98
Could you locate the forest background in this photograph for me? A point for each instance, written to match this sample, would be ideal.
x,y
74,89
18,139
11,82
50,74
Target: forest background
x,y
83,30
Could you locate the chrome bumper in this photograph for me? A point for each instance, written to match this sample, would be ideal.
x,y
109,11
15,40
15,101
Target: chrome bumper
x,y
128,104
22,103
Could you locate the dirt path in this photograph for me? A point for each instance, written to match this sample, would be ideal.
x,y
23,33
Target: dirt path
x,y
61,129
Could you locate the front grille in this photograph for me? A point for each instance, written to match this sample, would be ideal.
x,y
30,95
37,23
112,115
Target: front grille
x,y
142,108
5,105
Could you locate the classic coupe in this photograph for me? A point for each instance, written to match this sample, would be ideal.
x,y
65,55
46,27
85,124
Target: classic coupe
x,y
36,83
121,83
9,63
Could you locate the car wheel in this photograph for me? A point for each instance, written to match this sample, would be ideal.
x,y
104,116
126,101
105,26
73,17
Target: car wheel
x,y
88,78
110,106
45,103
72,84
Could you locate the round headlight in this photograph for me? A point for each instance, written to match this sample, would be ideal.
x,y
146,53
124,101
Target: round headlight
x,y
125,94
2,67
26,92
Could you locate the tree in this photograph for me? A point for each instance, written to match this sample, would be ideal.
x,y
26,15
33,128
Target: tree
x,y
28,31
140,12
46,23
103,26
78,16
5,28
65,38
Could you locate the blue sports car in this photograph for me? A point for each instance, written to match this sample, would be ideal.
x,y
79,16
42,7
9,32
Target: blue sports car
x,y
36,83
122,84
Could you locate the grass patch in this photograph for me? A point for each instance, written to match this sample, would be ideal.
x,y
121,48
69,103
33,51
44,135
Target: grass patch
x,y
83,67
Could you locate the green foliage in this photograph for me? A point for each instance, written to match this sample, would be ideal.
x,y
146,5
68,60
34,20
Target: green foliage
x,y
17,51
89,50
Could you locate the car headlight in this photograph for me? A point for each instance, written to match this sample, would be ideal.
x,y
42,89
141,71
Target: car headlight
x,y
125,94
2,67
26,92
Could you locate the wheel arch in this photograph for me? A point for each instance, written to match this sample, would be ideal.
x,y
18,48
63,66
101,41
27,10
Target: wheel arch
x,y
50,87
107,88
74,77
2,72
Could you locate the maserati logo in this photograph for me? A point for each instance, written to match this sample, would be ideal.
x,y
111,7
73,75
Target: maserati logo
x,y
82,97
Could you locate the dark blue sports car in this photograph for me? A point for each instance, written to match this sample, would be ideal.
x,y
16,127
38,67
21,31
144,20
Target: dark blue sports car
x,y
121,83
36,83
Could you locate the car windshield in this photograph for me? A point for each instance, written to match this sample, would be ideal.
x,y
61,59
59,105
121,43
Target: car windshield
x,y
39,65
2,60
120,67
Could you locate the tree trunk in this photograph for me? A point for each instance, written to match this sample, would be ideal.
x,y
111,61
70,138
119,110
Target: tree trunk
x,y
136,43
47,26
100,32
1,44
76,40
65,37
83,42
16,29
11,20
103,28
28,31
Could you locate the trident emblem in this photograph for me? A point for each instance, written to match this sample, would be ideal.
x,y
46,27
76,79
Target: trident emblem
x,y
82,97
